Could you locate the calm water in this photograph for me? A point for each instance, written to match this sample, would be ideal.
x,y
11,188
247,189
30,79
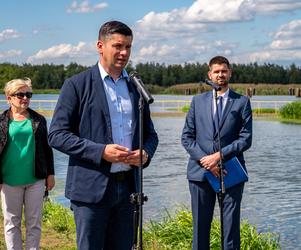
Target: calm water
x,y
272,196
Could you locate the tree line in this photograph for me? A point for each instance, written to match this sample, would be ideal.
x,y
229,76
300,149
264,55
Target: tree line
x,y
50,76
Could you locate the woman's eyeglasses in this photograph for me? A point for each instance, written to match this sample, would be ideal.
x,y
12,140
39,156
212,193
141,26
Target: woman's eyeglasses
x,y
21,95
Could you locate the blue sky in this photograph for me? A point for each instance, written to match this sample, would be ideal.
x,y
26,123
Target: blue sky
x,y
165,31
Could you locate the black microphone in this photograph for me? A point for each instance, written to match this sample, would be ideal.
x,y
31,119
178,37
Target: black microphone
x,y
135,77
213,85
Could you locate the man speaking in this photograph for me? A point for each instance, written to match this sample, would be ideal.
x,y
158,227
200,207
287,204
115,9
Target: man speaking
x,y
96,122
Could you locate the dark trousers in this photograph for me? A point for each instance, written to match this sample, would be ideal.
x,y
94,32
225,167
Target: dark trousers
x,y
107,225
203,200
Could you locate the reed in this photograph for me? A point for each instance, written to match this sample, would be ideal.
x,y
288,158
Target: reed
x,y
291,111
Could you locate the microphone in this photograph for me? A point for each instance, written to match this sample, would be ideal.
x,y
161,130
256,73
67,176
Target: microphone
x,y
213,85
135,77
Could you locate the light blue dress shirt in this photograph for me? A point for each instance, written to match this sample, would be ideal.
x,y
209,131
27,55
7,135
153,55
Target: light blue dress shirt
x,y
225,99
120,108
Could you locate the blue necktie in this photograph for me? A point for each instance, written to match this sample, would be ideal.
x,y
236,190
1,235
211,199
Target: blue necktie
x,y
218,112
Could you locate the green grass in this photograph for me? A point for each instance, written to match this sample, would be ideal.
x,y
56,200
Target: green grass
x,y
291,111
174,231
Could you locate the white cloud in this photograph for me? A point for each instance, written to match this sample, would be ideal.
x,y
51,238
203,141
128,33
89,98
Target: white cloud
x,y
285,46
64,53
176,36
219,11
9,54
183,51
274,6
275,55
85,7
288,36
8,34
291,29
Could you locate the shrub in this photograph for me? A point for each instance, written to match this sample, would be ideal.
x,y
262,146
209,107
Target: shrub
x,y
291,111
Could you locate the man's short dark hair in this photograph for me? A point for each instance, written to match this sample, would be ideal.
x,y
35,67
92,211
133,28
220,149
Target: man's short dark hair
x,y
219,60
112,27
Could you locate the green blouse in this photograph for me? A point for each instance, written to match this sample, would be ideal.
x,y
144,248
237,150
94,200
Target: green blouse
x,y
18,157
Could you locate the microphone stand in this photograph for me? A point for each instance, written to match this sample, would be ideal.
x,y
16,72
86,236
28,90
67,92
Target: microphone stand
x,y
221,174
138,199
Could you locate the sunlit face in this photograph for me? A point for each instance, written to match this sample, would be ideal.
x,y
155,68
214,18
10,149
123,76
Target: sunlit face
x,y
115,52
19,102
220,74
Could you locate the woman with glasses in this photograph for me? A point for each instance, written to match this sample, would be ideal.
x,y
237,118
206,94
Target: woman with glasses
x,y
26,166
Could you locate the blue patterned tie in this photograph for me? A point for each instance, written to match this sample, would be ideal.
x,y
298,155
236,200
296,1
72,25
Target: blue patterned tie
x,y
218,112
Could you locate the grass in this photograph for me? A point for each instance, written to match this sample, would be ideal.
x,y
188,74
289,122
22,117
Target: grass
x,y
289,113
242,88
173,232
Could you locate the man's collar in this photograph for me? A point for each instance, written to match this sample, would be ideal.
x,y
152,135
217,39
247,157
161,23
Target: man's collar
x,y
105,74
224,95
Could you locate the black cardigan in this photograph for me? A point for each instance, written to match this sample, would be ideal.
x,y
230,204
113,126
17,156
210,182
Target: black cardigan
x,y
44,165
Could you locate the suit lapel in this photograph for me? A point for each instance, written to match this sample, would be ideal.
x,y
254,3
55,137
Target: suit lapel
x,y
209,111
101,97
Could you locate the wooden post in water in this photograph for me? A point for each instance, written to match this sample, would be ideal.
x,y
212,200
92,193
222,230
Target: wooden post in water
x,y
188,91
249,92
298,92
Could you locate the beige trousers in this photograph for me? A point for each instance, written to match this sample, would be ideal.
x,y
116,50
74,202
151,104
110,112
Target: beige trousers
x,y
14,199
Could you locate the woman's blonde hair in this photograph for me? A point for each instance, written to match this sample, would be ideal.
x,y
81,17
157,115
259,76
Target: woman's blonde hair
x,y
14,85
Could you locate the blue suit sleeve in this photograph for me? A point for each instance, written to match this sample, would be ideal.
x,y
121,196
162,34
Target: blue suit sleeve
x,y
189,135
150,140
64,128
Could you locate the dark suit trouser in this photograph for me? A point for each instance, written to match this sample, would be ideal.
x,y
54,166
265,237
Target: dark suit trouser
x,y
107,225
203,200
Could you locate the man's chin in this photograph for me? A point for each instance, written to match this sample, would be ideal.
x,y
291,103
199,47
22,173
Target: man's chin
x,y
223,84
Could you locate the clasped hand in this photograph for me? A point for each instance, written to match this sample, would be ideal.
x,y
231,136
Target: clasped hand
x,y
210,162
115,153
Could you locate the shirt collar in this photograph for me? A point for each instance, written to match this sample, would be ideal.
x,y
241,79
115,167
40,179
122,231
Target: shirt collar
x,y
104,74
224,95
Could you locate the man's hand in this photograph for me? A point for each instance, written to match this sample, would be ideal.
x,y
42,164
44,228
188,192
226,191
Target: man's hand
x,y
134,158
115,153
210,161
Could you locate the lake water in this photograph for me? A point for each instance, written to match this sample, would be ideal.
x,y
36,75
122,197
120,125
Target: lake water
x,y
271,198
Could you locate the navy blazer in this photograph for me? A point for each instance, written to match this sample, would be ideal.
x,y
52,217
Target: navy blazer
x,y
199,138
81,127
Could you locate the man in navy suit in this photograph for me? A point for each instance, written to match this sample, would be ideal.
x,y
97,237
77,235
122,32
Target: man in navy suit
x,y
96,122
200,140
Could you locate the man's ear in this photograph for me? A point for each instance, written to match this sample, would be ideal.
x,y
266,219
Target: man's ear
x,y
209,75
99,46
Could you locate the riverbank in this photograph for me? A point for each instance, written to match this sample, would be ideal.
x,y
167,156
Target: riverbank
x,y
173,232
256,115
249,89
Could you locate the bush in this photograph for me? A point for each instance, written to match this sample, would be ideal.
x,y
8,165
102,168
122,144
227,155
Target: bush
x,y
291,111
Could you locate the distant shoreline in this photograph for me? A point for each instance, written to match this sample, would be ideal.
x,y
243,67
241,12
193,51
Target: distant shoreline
x,y
190,89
